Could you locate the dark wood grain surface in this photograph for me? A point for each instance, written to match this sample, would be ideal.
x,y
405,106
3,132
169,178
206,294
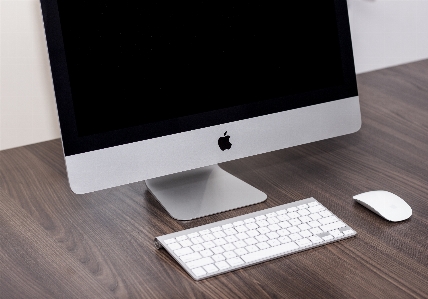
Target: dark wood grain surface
x,y
56,244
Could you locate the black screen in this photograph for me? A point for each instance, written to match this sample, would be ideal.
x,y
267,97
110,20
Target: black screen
x,y
140,63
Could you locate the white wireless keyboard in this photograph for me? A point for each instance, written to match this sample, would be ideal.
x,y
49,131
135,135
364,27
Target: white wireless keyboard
x,y
238,242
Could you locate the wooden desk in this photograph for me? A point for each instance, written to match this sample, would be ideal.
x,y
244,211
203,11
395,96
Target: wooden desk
x,y
56,244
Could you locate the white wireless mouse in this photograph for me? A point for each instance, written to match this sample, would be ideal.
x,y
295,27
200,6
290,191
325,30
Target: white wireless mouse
x,y
386,204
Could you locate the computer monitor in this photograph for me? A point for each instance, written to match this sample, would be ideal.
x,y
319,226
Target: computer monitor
x,y
164,91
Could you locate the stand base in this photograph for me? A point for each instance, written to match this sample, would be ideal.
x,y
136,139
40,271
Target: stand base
x,y
201,192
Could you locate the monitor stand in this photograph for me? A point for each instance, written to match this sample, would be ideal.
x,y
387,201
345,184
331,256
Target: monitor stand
x,y
201,192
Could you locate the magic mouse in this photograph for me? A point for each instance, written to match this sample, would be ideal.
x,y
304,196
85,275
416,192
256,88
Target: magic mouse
x,y
386,204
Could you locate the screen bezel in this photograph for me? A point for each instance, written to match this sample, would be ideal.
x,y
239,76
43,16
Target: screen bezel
x,y
74,144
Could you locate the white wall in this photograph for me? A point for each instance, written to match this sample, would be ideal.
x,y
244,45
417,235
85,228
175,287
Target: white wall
x,y
27,102
384,32
388,32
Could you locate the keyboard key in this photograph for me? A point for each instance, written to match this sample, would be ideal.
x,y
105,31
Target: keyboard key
x,y
269,215
230,231
283,232
198,247
197,240
281,212
272,235
226,226
293,215
325,213
305,233
199,271
217,249
262,245
218,257
186,243
284,239
305,219
216,229
328,238
229,247
183,251
293,229
314,203
210,268
295,221
191,257
273,242
249,220
208,244
240,251
272,220
292,209
269,252
200,263
252,248
303,212
231,239
283,217
242,236
240,244
206,253
348,232
261,217
169,241
315,239
314,223
332,226
327,220
174,246
253,233
181,238
222,265
241,229
262,223
284,224
315,216
229,254
251,226
238,223
262,238
304,226
193,235
235,261
302,207
295,236
220,241
274,227
263,230
316,231
208,237
219,234
316,209
336,233
303,242
251,241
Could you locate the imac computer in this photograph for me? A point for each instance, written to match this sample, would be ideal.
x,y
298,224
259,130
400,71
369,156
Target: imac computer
x,y
164,91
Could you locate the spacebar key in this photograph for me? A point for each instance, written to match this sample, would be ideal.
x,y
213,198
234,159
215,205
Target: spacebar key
x,y
269,252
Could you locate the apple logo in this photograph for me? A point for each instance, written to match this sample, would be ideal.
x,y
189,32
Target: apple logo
x,y
224,143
